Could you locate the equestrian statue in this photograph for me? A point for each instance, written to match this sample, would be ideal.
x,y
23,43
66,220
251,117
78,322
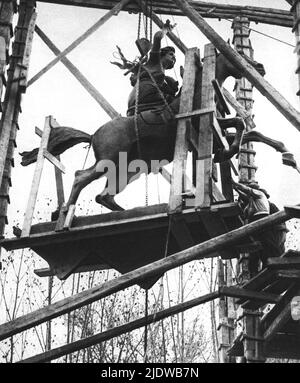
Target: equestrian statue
x,y
148,132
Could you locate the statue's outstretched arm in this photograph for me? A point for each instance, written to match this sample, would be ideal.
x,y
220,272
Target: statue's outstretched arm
x,y
156,45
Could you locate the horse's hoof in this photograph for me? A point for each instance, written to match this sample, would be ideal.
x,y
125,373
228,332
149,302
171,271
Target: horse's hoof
x,y
108,202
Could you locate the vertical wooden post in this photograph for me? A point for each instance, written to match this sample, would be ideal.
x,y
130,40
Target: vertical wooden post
x,y
36,178
204,163
58,175
181,146
12,100
244,96
223,330
296,28
7,9
247,170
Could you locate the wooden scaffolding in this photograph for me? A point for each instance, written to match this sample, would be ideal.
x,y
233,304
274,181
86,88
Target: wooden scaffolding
x,y
203,219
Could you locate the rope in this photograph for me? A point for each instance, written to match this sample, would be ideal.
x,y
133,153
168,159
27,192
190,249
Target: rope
x,y
139,25
87,154
137,94
159,91
266,35
146,21
151,21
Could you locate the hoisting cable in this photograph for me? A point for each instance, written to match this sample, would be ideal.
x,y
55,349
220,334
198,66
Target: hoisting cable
x,y
265,34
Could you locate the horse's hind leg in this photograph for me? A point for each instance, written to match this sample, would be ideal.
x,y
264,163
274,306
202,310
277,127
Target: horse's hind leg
x,y
82,179
106,198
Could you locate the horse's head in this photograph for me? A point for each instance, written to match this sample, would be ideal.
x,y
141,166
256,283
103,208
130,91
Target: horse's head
x,y
224,68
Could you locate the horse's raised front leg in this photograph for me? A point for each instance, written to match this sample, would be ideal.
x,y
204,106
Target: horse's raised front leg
x,y
287,157
237,123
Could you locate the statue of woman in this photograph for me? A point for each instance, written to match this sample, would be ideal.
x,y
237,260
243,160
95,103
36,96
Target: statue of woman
x,y
155,88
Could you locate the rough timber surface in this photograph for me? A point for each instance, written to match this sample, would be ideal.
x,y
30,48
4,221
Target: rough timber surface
x,y
206,9
281,332
122,240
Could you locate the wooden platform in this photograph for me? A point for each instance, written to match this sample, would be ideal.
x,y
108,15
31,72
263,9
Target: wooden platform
x,y
281,334
123,240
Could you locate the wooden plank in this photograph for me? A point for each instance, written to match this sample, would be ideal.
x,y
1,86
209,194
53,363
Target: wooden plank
x,y
119,330
192,137
203,250
261,280
284,263
36,179
27,53
69,217
226,180
280,313
208,10
58,175
113,12
289,274
205,143
192,113
296,28
218,133
38,131
48,272
79,76
217,195
236,292
223,328
7,121
220,97
11,106
181,146
240,110
282,318
266,89
54,161
59,186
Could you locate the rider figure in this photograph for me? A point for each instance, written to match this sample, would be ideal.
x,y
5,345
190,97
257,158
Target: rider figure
x,y
154,70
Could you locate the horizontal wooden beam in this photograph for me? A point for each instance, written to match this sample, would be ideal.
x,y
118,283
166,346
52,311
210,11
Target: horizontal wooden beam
x,y
284,263
280,313
119,330
206,249
47,272
237,292
54,161
209,10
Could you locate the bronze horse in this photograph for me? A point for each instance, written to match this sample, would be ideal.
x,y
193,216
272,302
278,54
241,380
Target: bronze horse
x,y
157,133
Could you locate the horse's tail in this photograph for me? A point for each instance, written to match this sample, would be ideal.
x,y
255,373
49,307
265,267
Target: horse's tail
x,y
61,139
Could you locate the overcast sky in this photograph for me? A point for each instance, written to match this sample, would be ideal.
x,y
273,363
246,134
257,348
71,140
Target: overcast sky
x,y
58,93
